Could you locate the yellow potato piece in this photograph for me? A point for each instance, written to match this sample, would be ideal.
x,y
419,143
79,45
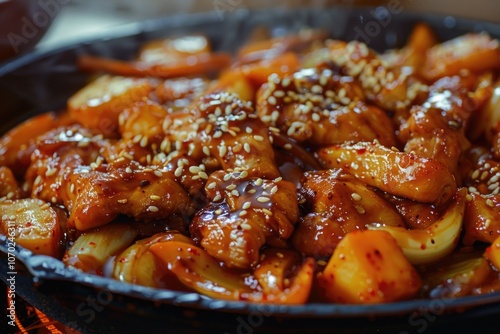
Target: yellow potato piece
x,y
33,224
493,253
369,267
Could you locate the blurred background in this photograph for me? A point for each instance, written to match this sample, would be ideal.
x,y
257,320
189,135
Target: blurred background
x,y
48,23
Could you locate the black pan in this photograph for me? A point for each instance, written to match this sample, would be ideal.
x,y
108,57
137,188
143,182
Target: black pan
x,y
43,80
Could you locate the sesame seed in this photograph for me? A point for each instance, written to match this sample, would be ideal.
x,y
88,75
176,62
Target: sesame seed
x,y
128,156
218,211
72,188
158,173
203,175
487,223
211,185
288,146
267,212
272,100
321,263
252,191
360,209
246,205
235,192
246,147
259,182
206,150
155,197
469,198
285,82
487,165
241,214
473,190
227,177
222,150
484,175
263,199
316,89
178,171
128,170
316,117
10,195
50,172
279,93
153,208
278,179
490,203
217,134
493,186
231,187
245,226
54,199
194,169
280,255
274,189
217,198
144,142
356,196
258,138
475,174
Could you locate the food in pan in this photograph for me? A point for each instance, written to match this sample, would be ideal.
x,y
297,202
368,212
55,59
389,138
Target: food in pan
x,y
301,169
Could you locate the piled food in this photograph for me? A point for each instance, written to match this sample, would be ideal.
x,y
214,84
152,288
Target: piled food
x,y
302,169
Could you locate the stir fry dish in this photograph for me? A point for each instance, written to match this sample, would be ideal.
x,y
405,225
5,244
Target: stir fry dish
x,y
298,169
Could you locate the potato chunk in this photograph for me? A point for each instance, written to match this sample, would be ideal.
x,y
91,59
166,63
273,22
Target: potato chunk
x,y
368,267
34,223
92,249
98,105
493,253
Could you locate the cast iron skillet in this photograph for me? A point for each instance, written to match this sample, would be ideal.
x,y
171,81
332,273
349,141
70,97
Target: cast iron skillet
x,y
43,80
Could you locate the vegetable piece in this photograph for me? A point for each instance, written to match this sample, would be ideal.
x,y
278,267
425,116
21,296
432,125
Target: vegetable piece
x,y
98,105
282,65
201,272
474,52
173,49
493,253
138,265
398,173
33,224
434,242
92,249
368,267
456,275
18,138
192,65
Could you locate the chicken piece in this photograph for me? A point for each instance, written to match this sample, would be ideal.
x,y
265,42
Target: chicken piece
x,y
337,203
33,224
100,194
17,144
58,154
484,177
416,215
9,188
436,129
474,52
389,88
398,173
322,108
245,213
142,123
98,105
225,128
177,94
482,218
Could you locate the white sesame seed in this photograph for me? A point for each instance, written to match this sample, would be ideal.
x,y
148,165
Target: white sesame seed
x,y
248,129
259,182
246,205
128,170
279,93
490,203
206,150
274,189
153,208
272,100
356,196
217,134
218,211
178,171
217,198
144,142
263,199
267,212
222,150
231,187
288,146
316,117
50,172
227,177
155,197
235,192
258,138
360,209
484,175
245,226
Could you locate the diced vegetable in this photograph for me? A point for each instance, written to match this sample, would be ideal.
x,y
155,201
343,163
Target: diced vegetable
x,y
369,267
34,224
92,249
